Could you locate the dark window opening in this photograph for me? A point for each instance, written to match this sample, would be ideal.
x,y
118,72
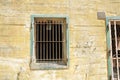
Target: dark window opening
x,y
50,39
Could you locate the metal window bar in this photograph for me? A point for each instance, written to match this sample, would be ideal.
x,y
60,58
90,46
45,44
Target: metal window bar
x,y
111,48
116,49
49,40
115,46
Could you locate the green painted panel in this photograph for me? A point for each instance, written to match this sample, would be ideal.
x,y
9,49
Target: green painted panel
x,y
31,36
108,48
68,44
31,41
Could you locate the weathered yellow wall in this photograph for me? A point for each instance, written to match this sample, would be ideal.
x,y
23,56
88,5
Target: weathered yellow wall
x,y
88,60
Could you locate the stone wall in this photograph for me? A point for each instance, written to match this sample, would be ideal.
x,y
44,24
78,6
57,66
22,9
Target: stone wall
x,y
87,36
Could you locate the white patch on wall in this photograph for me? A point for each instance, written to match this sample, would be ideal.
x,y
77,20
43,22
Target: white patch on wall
x,y
27,24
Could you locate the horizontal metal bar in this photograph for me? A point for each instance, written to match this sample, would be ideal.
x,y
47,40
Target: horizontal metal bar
x,y
48,23
49,59
49,41
116,58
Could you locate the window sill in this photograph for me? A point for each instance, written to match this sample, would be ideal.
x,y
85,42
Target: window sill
x,y
47,65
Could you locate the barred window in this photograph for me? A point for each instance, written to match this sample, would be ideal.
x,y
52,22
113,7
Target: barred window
x,y
114,27
50,42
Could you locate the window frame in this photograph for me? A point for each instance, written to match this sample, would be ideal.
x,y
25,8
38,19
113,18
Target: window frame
x,y
109,66
33,64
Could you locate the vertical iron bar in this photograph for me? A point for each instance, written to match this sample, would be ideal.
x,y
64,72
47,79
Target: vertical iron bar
x,y
43,25
116,48
38,38
56,39
47,29
36,45
50,24
111,51
53,41
59,38
41,40
63,40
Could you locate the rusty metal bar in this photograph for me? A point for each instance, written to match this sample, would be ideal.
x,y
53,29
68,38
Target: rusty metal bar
x,y
50,59
41,35
50,31
59,39
47,28
63,38
111,51
53,40
56,40
36,45
49,41
61,50
38,36
116,48
44,28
